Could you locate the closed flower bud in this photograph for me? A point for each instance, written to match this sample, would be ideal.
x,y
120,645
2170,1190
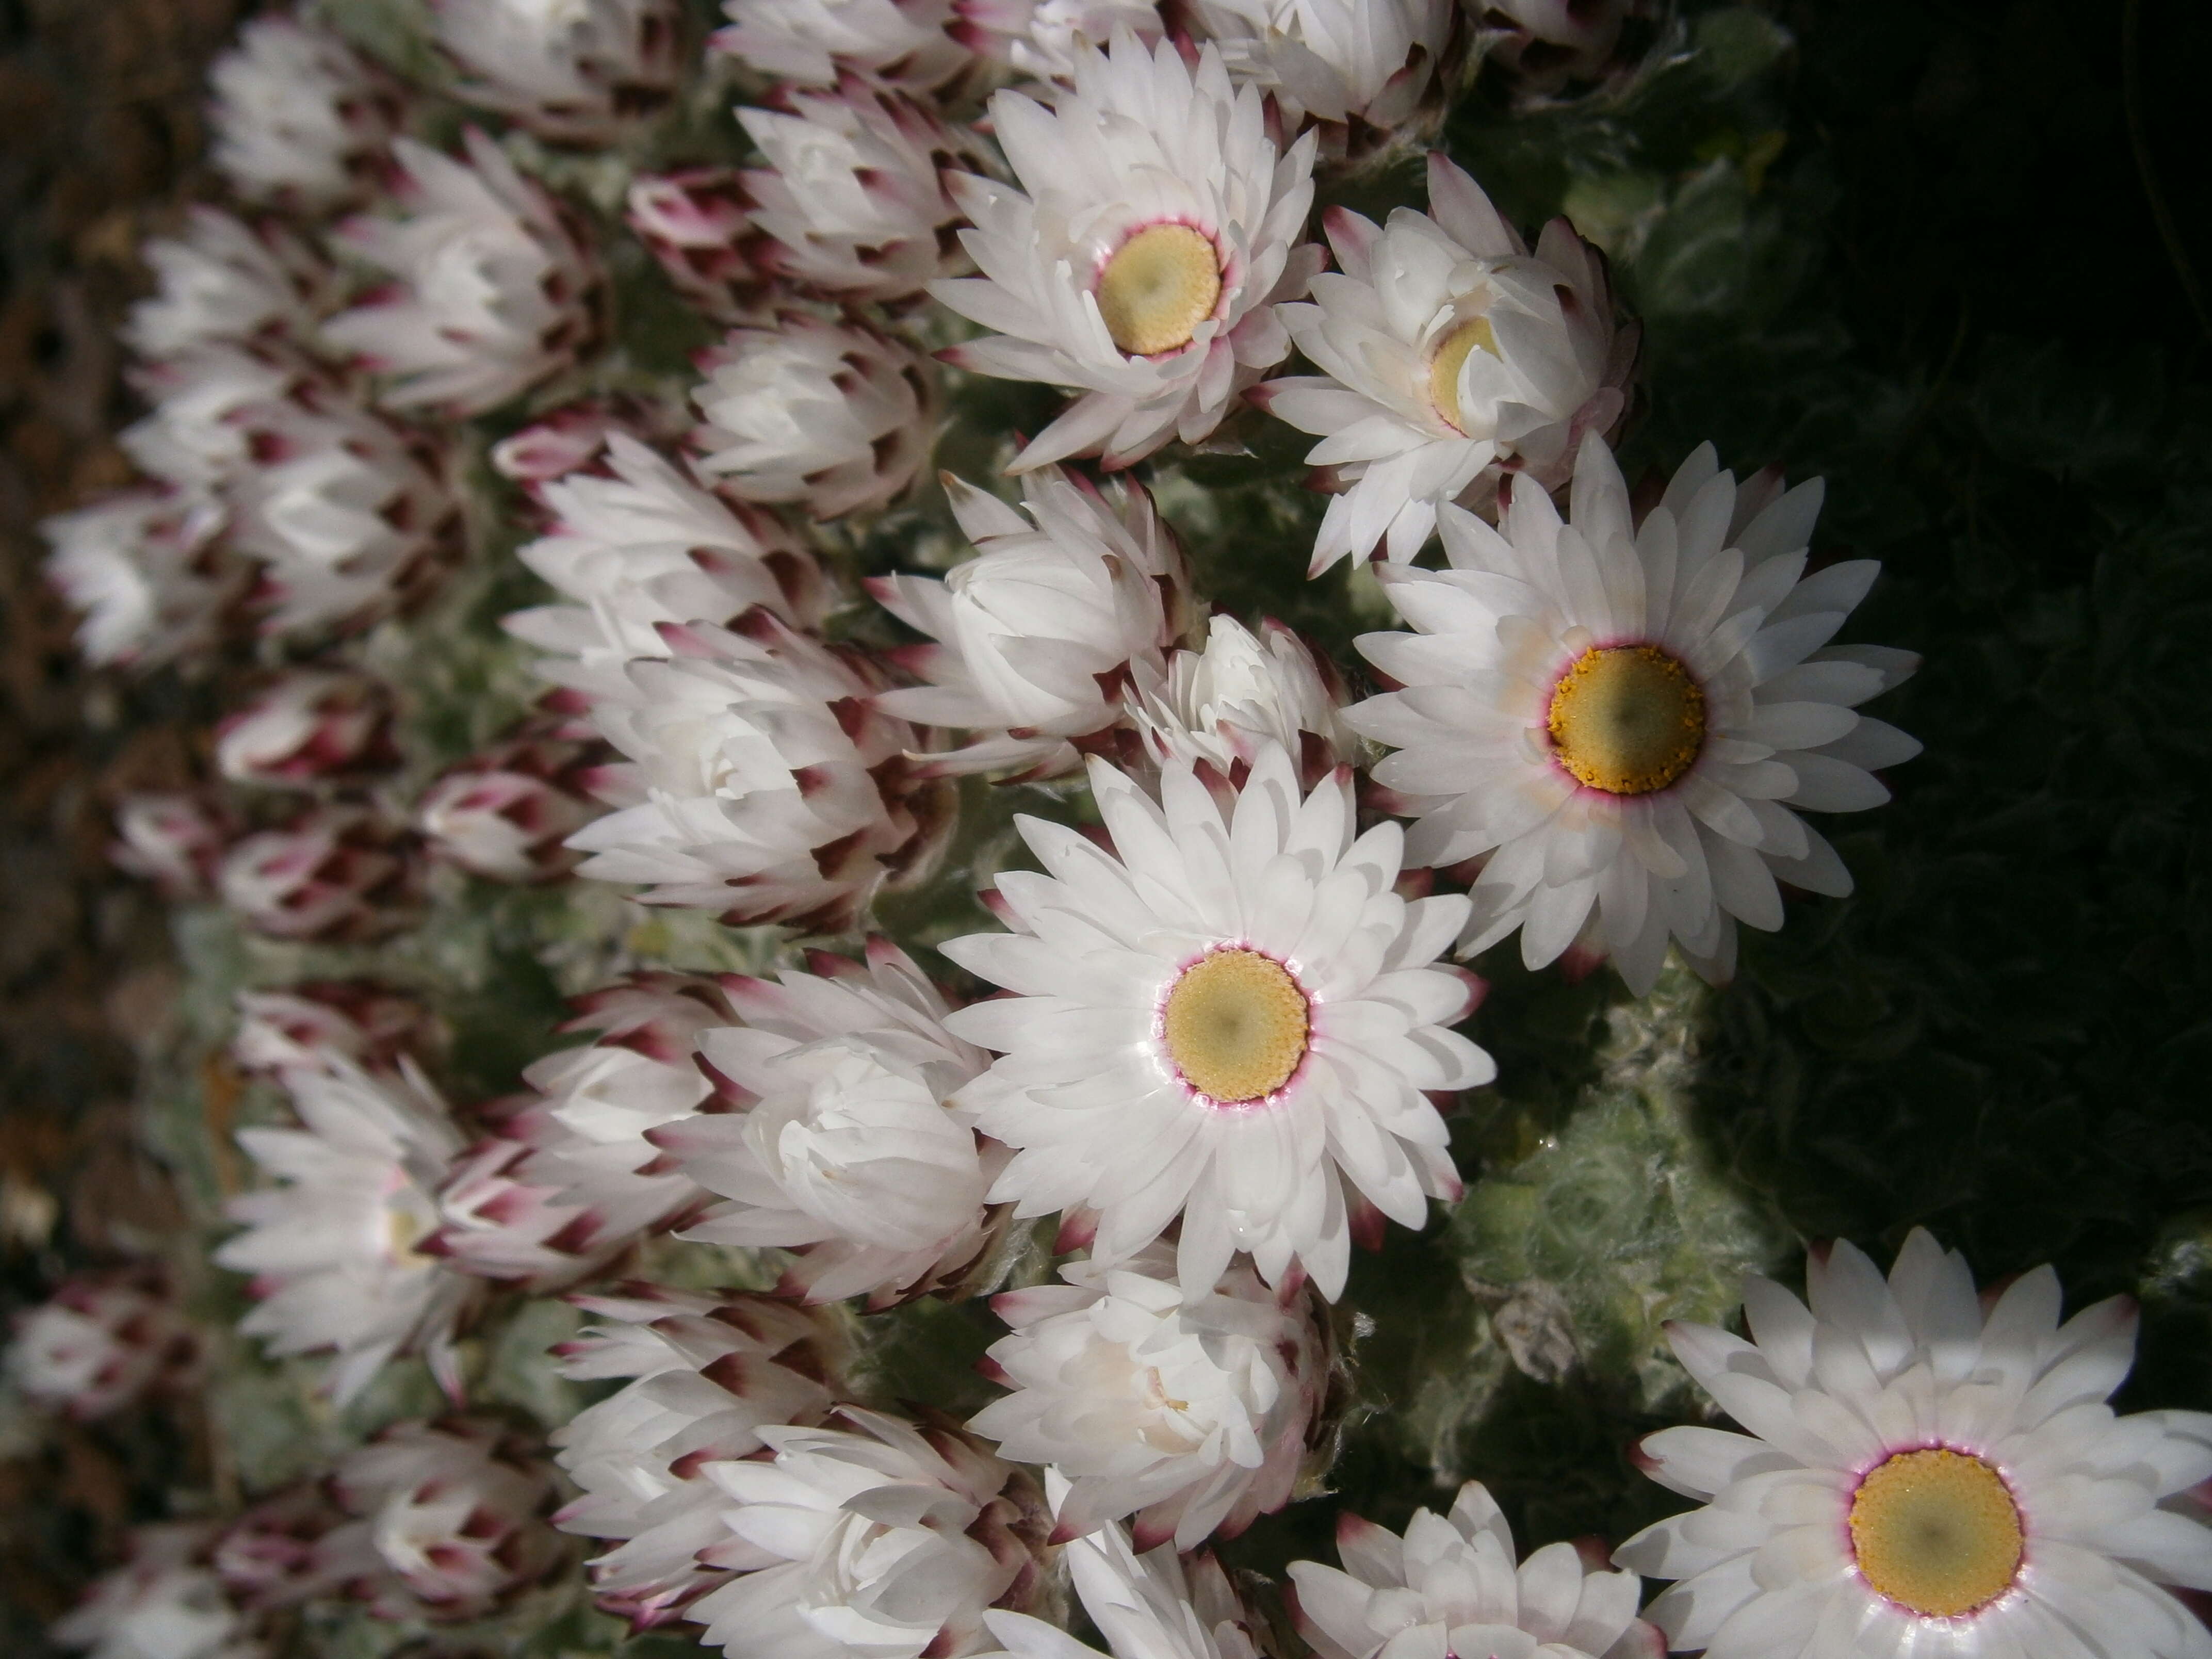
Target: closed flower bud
x,y
311,728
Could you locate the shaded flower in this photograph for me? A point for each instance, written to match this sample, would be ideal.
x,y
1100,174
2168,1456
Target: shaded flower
x,y
694,221
901,43
332,1250
1373,61
271,1556
299,119
575,71
1451,355
103,1341
707,1375
176,840
494,290
1223,704
1191,1413
504,814
226,280
336,871
844,1150
164,1602
1037,635
1044,38
1234,1019
831,415
314,1024
144,567
1928,1471
1138,264
309,727
760,782
1620,718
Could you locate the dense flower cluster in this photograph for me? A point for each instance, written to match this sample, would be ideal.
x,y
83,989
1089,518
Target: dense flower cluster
x,y
712,700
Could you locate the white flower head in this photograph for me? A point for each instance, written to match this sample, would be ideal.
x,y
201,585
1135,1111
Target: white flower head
x,y
336,871
506,814
194,438
452,1521
1138,264
102,1342
1450,1584
575,72
164,1602
1927,1471
299,119
707,1375
1232,1018
143,567
1243,692
1037,633
1189,1412
853,202
306,728
640,545
845,1150
759,783
901,43
494,290
1451,355
348,516
1044,38
568,1179
225,279
830,414
311,1024
875,1536
1156,1606
1622,717
331,1251
1331,60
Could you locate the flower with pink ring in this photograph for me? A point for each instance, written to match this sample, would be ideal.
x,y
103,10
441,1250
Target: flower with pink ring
x,y
1138,264
1928,1470
1233,1017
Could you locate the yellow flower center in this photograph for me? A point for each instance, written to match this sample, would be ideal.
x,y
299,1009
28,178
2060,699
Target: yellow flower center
x,y
1235,1025
1936,1531
1158,287
1627,718
1451,357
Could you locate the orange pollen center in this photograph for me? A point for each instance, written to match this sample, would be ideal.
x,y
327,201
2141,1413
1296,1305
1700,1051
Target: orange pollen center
x,y
1936,1531
1627,719
1235,1026
1158,287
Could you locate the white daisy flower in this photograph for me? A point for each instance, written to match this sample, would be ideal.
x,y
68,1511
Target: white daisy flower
x,y
307,727
573,72
759,783
707,1375
567,1180
1044,38
1156,1606
1140,261
1233,1017
143,567
1927,1471
872,1536
164,1602
1451,355
494,290
844,1150
1331,60
1036,632
1449,1585
901,43
101,1342
853,202
642,545
1620,717
224,280
1223,704
452,1521
331,1251
830,414
1190,1412
349,517
298,118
